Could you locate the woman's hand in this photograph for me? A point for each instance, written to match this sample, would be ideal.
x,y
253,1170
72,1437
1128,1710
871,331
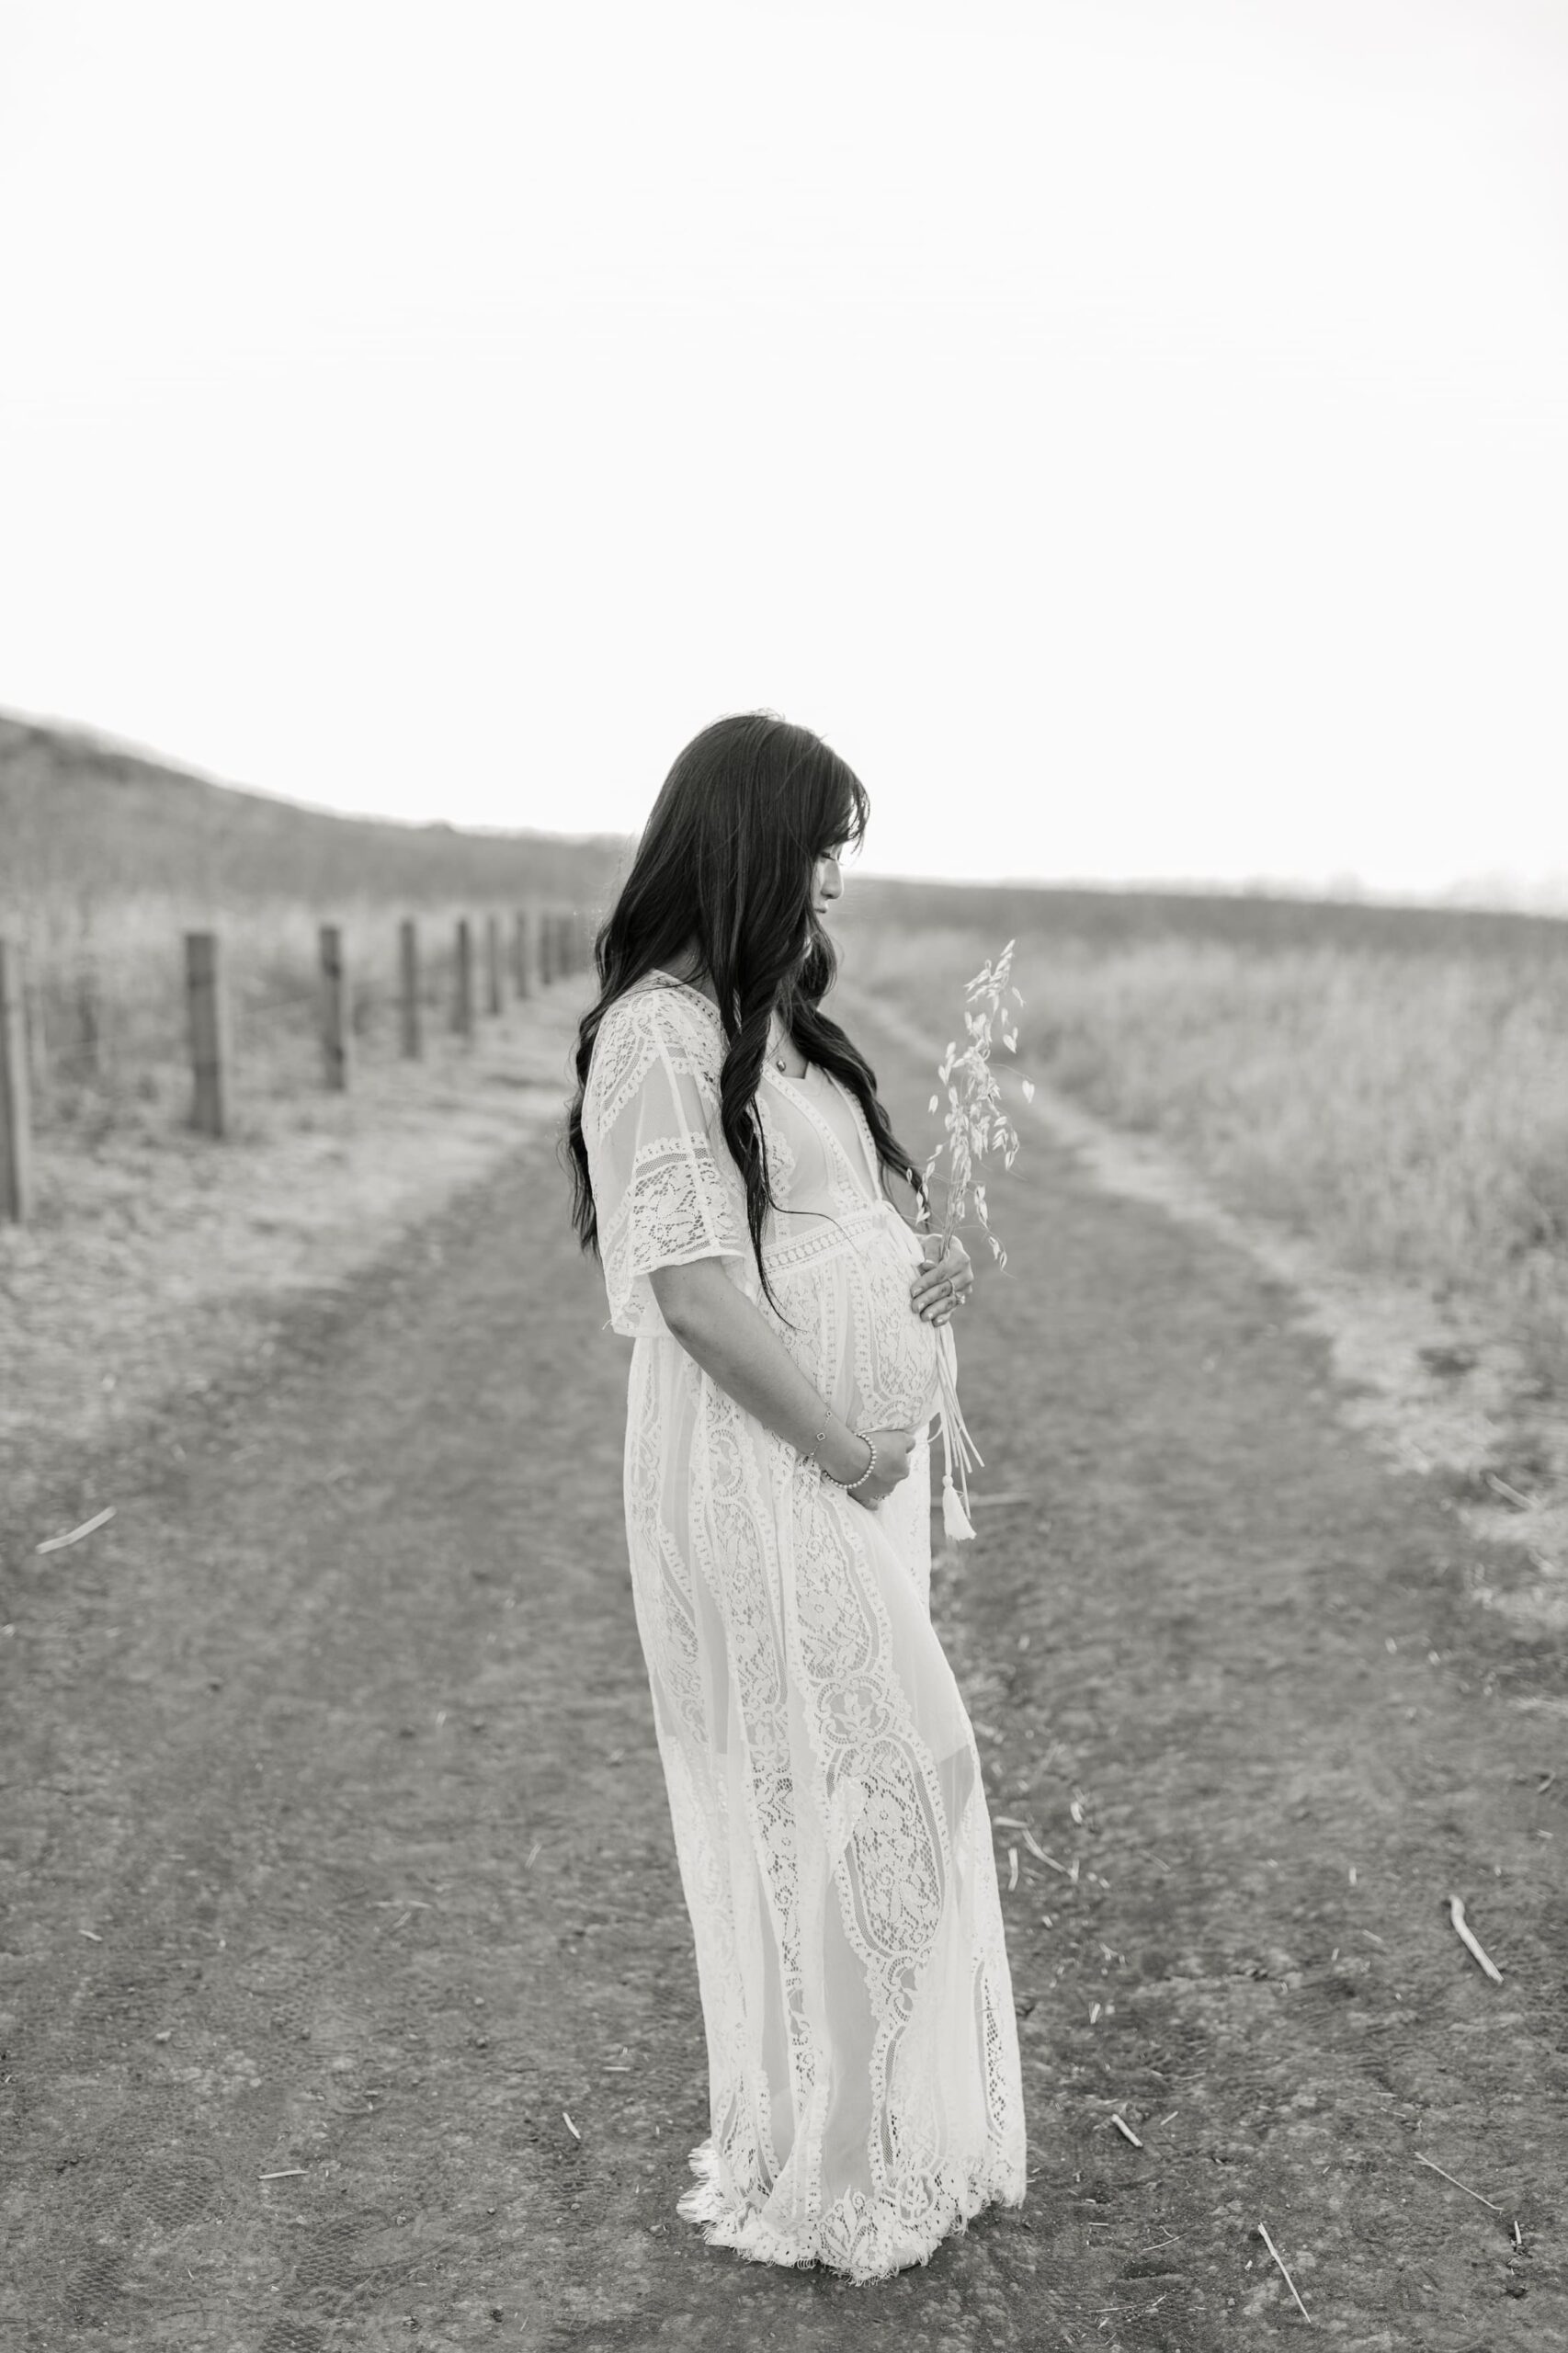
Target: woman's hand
x,y
893,1466
944,1285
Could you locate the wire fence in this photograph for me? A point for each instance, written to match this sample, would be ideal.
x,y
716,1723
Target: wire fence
x,y
249,1012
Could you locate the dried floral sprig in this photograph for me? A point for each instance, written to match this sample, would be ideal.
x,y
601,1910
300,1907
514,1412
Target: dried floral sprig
x,y
977,1122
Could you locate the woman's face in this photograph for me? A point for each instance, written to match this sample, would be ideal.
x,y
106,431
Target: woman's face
x,y
827,882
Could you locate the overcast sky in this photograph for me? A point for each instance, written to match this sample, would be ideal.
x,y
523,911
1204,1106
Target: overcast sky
x,y
1135,436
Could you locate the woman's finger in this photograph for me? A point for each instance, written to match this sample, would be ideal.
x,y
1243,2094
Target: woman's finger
x,y
955,1268
950,1290
937,1281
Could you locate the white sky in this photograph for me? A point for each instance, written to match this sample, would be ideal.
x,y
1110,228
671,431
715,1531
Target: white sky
x,y
1136,435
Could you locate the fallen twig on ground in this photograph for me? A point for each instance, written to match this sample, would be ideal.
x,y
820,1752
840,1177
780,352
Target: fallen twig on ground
x,y
1125,2130
1458,2184
1010,1821
1280,2259
1456,1914
75,1535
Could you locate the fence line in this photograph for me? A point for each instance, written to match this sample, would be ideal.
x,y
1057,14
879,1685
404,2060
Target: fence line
x,y
546,944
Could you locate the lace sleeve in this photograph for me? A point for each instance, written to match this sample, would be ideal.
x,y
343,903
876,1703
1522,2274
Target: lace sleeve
x,y
665,1190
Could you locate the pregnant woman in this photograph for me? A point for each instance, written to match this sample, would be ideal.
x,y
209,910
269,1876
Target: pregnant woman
x,y
732,1168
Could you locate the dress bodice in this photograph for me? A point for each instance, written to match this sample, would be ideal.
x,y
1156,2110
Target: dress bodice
x,y
821,1162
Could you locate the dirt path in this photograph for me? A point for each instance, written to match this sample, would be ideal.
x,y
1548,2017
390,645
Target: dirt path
x,y
337,1848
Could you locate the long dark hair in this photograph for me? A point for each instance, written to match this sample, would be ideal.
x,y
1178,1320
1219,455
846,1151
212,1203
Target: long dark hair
x,y
726,861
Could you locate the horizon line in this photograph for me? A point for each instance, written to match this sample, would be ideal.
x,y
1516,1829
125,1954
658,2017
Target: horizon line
x,y
1502,891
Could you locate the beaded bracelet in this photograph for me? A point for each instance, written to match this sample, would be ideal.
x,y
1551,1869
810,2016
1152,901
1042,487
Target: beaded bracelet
x,y
849,1486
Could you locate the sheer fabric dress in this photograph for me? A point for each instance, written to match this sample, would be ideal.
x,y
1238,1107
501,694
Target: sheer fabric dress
x,y
829,1816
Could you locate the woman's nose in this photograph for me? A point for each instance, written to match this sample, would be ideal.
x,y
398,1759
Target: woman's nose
x,y
832,880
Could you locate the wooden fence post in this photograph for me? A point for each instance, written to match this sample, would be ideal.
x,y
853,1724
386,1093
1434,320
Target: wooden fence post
x,y
522,954
15,1114
89,1020
462,980
209,1032
333,1010
546,947
408,989
493,965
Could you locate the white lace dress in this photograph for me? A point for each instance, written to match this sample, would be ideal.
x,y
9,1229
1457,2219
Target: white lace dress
x,y
829,1816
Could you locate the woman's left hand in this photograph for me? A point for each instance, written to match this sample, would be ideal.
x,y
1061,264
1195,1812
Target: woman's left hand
x,y
944,1285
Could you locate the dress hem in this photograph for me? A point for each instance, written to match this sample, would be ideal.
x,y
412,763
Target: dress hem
x,y
864,2248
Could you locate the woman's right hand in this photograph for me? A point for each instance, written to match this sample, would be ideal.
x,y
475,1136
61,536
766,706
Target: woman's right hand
x,y
893,1448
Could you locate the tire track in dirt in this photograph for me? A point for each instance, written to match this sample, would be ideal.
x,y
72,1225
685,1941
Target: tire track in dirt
x,y
338,1743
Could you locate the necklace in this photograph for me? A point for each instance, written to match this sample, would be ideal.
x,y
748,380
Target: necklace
x,y
774,1040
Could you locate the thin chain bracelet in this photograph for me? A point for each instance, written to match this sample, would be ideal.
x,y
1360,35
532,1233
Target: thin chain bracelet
x,y
810,1453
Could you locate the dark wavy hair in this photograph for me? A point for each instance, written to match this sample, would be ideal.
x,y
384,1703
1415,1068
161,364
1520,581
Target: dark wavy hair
x,y
725,860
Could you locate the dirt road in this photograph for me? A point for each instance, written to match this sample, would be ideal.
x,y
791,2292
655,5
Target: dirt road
x,y
337,1848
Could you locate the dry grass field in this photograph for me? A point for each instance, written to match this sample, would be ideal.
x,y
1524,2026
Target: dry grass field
x,y
1395,1087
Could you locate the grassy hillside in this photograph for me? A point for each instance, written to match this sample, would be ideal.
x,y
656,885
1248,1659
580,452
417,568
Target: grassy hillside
x,y
85,827
107,859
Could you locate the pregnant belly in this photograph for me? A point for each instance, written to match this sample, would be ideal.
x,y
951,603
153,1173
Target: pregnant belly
x,y
857,1336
